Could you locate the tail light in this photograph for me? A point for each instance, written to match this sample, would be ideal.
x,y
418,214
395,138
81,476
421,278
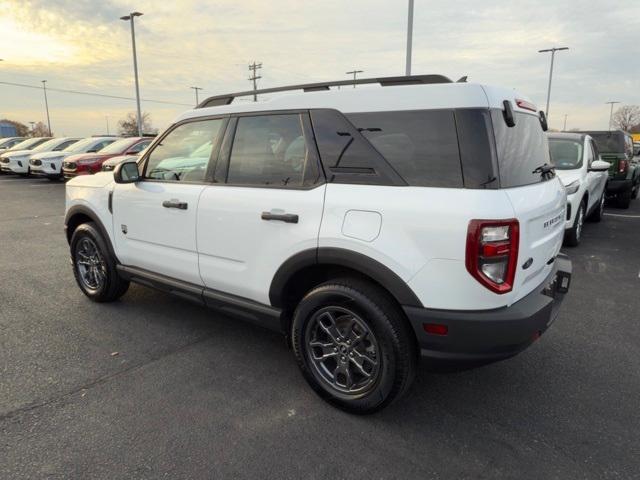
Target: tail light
x,y
492,253
622,166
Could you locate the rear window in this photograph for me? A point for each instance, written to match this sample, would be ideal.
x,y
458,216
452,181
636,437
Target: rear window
x,y
520,149
566,154
609,142
422,146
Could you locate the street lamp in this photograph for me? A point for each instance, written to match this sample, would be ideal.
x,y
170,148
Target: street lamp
x,y
611,114
130,18
46,105
407,68
553,54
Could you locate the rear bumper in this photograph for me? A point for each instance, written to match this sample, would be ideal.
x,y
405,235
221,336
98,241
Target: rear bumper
x,y
491,335
615,187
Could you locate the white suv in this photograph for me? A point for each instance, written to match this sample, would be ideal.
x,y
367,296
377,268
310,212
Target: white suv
x,y
584,176
369,225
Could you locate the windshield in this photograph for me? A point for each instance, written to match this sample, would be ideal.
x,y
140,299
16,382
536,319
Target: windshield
x,y
609,142
48,145
29,143
80,146
119,145
565,154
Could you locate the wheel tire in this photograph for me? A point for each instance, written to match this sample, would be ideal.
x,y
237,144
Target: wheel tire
x,y
93,267
574,234
624,199
379,337
598,212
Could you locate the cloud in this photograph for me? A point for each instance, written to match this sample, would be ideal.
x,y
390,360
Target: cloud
x,y
209,44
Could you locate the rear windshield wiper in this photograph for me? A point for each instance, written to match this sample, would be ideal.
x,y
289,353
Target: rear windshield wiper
x,y
545,170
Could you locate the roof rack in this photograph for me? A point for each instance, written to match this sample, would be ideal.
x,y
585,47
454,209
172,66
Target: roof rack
x,y
226,99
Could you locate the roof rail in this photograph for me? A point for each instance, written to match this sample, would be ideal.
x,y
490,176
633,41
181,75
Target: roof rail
x,y
226,99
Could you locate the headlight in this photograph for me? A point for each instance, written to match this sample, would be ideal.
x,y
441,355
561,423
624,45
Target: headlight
x,y
572,187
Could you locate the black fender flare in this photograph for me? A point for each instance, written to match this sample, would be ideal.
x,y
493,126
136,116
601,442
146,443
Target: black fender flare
x,y
363,264
86,211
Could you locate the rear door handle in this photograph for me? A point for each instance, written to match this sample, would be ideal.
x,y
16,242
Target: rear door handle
x,y
175,204
282,217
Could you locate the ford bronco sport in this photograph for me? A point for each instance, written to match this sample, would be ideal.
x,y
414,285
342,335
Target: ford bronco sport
x,y
370,225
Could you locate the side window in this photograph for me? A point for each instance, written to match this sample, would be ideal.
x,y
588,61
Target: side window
x,y
268,150
422,146
590,155
183,155
346,156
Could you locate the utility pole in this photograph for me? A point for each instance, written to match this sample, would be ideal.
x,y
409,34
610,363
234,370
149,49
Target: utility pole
x,y
407,70
46,105
107,119
611,114
196,90
564,129
254,67
130,18
354,73
553,54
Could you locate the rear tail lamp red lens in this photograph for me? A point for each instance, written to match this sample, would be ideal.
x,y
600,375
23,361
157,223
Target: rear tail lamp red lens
x,y
492,253
622,166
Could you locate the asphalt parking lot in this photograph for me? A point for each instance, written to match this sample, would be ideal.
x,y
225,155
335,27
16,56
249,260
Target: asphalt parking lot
x,y
155,387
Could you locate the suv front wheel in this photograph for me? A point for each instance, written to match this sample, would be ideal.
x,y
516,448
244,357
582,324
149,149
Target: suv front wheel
x,y
353,345
93,267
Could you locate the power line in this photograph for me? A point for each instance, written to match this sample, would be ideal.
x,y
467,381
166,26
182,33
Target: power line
x,y
103,95
254,67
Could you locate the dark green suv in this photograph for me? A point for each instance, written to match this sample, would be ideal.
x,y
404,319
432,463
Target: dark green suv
x,y
616,147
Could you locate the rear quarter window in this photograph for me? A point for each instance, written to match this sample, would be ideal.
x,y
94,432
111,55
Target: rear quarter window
x,y
421,146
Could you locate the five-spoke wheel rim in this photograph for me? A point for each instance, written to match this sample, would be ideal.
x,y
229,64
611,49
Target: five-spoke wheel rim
x,y
92,269
342,350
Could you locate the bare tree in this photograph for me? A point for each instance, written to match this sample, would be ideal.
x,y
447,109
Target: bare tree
x,y
626,117
21,129
128,126
40,130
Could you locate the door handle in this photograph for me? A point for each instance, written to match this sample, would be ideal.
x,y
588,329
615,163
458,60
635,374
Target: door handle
x,y
282,217
175,204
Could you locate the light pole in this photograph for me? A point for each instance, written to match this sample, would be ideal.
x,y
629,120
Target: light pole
x,y
46,105
611,114
407,69
106,117
564,129
553,54
354,73
130,18
196,90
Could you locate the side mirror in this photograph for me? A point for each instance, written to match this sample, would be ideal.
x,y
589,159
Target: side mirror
x,y
543,121
599,166
132,153
126,172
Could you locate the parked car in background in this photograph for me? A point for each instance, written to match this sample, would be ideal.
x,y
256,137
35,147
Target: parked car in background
x,y
20,163
616,147
584,176
7,143
49,164
112,163
636,149
369,225
89,163
20,151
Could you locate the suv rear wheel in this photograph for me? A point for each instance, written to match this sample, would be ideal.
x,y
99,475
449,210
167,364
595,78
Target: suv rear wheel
x,y
93,267
353,345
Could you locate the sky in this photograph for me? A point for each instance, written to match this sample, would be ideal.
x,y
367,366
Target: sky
x,y
82,45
